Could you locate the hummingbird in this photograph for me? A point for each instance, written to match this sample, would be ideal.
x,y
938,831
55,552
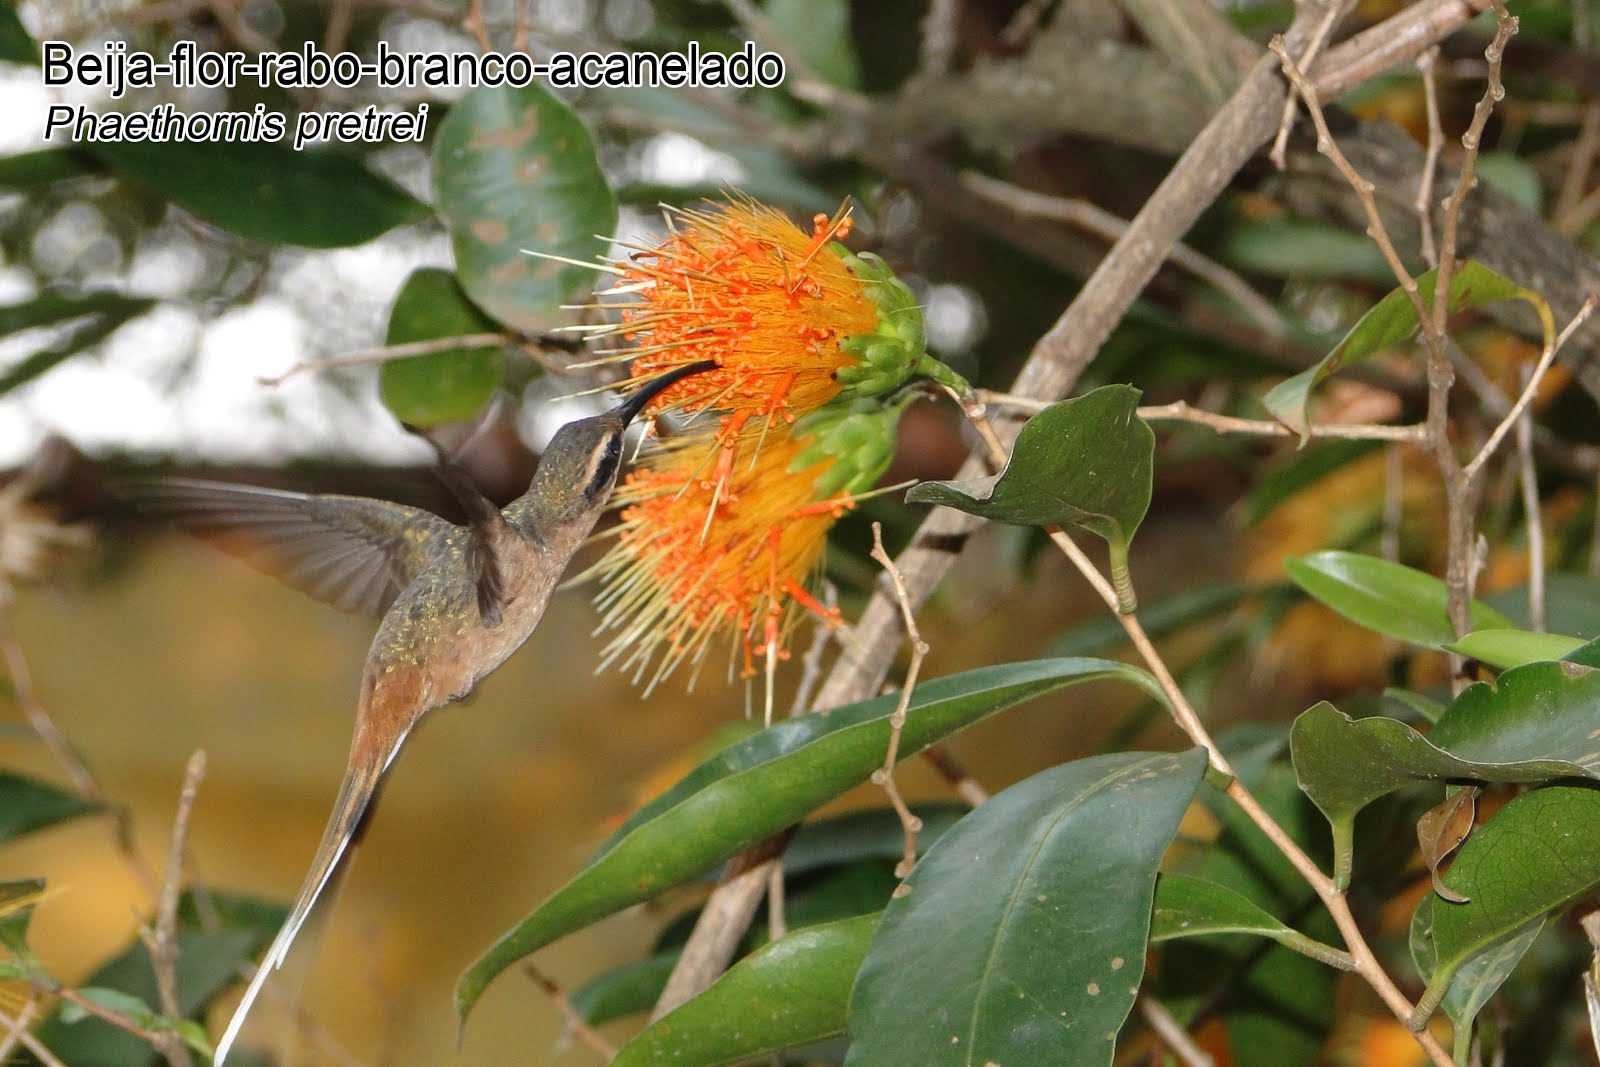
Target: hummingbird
x,y
456,601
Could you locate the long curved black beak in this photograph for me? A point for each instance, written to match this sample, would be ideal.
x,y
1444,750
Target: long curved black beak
x,y
636,402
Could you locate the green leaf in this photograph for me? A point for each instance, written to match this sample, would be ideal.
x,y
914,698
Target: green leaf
x,y
1159,618
761,785
865,835
18,897
267,191
1193,907
1083,462
1388,598
27,804
625,990
818,32
790,992
1391,321
444,386
1513,176
126,1005
87,318
1476,980
28,169
1020,937
16,46
1535,856
1571,604
1531,727
515,171
1285,247
208,963
1501,649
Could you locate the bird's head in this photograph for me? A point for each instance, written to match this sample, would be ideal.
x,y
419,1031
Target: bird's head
x,y
579,467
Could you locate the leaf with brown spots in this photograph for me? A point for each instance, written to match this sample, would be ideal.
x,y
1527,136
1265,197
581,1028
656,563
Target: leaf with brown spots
x,y
515,171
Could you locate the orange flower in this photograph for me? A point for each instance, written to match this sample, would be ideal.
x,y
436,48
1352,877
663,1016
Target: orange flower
x,y
698,557
742,285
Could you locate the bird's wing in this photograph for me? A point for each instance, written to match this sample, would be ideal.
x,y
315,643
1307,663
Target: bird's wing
x,y
353,552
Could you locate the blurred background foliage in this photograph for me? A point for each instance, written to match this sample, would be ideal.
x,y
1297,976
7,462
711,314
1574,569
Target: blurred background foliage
x,y
146,290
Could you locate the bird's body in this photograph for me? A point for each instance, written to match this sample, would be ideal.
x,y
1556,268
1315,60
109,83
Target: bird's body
x,y
456,601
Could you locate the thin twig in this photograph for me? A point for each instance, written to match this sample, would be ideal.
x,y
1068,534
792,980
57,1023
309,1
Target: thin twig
x,y
1584,148
939,37
721,924
15,1029
1530,390
161,940
777,919
1182,411
1308,56
18,1028
1169,1030
883,777
962,783
473,24
388,352
1427,62
1533,518
574,1022
1088,216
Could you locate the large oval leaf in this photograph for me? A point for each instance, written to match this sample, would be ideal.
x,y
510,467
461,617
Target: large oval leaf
x,y
1194,907
1020,937
1392,320
1532,727
1389,598
762,784
515,170
1502,649
1535,856
787,993
1475,980
267,191
440,386
1083,462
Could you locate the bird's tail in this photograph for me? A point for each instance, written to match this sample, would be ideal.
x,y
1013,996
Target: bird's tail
x,y
350,811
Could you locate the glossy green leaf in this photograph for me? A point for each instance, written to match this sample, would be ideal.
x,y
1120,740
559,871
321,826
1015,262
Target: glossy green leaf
x,y
1529,729
874,834
1391,321
27,804
445,386
1535,856
818,32
1194,907
1389,598
1477,979
760,785
515,171
790,992
16,46
1502,649
1083,462
267,191
1020,937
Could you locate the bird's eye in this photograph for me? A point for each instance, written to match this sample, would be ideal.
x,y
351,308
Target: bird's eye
x,y
606,462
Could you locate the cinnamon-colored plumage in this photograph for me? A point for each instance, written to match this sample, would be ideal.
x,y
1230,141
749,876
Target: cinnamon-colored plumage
x,y
456,600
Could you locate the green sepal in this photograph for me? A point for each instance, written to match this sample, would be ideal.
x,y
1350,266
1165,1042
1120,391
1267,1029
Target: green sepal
x,y
897,350
858,435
